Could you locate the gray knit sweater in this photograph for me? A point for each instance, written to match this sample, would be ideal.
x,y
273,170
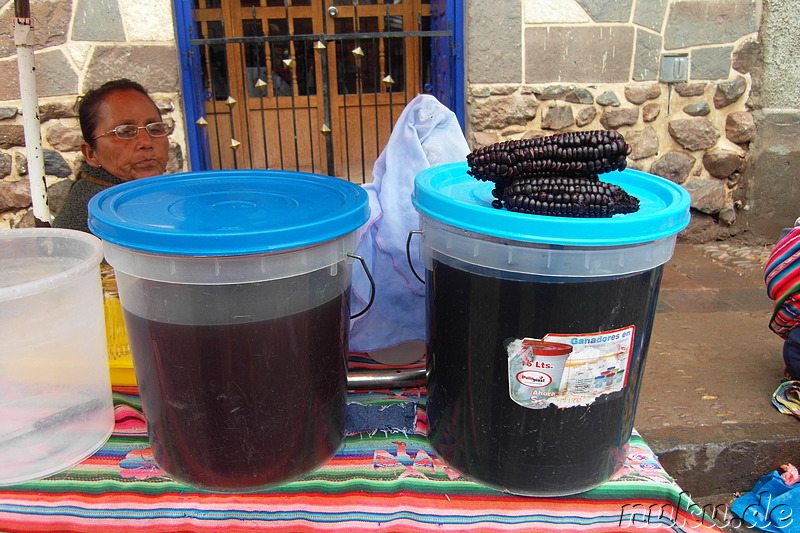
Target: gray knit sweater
x,y
75,211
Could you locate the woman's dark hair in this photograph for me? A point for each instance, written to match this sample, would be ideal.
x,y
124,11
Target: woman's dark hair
x,y
88,104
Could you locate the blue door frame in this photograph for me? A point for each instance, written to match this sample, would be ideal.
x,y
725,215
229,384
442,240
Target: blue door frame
x,y
448,56
191,85
449,84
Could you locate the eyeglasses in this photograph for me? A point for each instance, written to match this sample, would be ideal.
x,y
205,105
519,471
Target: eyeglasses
x,y
131,131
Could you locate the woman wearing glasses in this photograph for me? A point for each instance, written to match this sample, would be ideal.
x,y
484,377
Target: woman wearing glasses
x,y
124,139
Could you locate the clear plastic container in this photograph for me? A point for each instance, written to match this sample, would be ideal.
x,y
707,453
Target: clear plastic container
x,y
55,394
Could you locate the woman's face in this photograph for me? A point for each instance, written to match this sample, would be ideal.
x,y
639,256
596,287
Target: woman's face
x,y
127,159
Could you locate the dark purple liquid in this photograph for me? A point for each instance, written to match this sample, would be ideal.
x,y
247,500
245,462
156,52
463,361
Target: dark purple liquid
x,y
243,406
477,428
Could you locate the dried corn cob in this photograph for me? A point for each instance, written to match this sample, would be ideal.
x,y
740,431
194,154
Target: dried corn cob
x,y
556,175
574,196
572,153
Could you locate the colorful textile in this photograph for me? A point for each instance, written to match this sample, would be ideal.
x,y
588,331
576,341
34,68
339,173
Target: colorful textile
x,y
782,277
378,481
786,398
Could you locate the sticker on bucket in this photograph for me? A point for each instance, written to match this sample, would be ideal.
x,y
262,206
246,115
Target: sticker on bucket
x,y
568,370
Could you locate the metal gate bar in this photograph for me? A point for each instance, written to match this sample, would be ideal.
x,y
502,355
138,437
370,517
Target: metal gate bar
x,y
298,45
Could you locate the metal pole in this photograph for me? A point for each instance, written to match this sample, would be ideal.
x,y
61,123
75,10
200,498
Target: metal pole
x,y
23,39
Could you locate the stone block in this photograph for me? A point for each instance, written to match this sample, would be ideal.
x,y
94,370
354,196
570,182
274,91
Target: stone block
x,y
11,135
155,66
644,143
21,162
721,163
9,79
8,112
55,165
690,89
712,63
634,165
708,196
5,165
586,116
779,59
650,14
700,22
693,133
481,138
674,166
54,74
727,215
88,13
702,229
774,186
640,93
569,93
57,194
553,11
579,95
646,56
650,111
15,194
616,118
608,11
502,111
495,57
740,127
746,55
502,89
730,91
558,117
57,110
697,109
553,92
479,91
148,20
63,138
580,54
50,26
609,98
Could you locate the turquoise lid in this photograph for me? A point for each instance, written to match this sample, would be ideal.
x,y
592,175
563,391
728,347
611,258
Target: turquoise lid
x,y
448,194
227,212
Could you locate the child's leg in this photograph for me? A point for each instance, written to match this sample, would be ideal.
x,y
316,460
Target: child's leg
x,y
791,353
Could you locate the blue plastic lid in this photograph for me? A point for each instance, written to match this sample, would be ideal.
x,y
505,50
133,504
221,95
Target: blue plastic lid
x,y
448,194
227,212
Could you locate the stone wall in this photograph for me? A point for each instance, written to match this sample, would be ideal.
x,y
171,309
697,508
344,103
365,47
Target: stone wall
x,y
591,64
78,46
775,171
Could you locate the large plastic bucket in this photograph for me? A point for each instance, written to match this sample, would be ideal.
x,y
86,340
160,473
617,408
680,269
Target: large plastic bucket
x,y
234,287
538,329
55,394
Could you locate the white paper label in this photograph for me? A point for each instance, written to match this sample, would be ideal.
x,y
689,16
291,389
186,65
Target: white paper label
x,y
598,364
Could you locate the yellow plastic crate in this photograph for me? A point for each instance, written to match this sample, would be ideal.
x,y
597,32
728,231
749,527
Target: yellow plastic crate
x,y
120,362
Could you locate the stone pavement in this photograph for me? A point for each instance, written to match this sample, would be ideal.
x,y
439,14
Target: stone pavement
x,y
705,405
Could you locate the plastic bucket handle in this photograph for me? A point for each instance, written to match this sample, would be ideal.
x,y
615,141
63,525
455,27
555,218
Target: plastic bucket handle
x,y
371,285
408,253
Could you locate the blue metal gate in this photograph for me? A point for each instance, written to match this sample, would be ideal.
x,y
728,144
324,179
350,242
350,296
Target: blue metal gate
x,y
368,106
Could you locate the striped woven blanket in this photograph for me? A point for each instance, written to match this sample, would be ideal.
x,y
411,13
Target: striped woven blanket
x,y
782,276
380,480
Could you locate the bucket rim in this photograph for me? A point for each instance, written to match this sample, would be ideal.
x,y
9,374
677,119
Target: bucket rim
x,y
51,281
227,212
448,194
